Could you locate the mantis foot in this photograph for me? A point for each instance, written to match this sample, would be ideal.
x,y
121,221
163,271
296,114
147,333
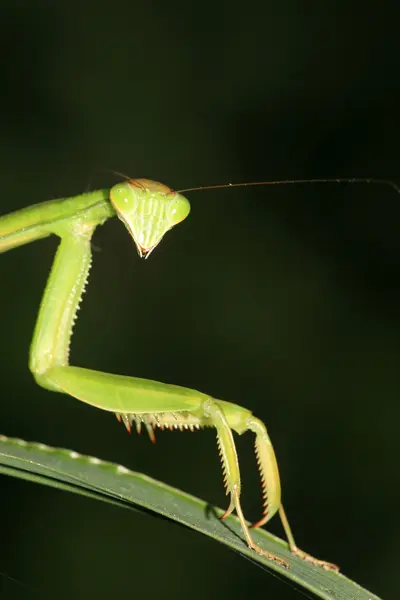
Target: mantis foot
x,y
280,561
315,561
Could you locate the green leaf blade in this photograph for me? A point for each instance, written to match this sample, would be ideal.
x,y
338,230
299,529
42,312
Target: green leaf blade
x,y
115,484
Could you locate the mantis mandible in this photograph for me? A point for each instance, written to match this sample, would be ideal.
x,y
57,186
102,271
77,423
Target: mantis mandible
x,y
148,210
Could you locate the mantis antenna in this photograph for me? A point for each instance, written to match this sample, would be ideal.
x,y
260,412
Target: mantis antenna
x,y
387,182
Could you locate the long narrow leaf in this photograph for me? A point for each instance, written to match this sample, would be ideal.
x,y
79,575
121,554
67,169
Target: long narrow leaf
x,y
92,477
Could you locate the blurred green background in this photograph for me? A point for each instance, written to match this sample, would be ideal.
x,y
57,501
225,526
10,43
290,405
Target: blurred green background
x,y
282,299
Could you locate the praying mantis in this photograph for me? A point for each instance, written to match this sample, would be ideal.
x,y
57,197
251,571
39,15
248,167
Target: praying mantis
x,y
148,210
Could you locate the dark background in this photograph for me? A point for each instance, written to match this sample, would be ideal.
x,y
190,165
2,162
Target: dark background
x,y
282,299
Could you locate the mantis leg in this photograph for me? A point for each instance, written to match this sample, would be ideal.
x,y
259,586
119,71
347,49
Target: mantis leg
x,y
231,471
271,490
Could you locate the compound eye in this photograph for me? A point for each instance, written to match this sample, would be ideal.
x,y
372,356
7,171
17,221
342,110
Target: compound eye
x,y
124,198
177,210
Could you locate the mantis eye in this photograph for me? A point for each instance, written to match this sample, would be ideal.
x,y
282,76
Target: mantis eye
x,y
177,210
123,198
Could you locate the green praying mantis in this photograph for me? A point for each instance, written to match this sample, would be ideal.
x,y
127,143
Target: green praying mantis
x,y
148,210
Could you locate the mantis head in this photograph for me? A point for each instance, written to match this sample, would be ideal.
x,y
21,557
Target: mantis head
x,y
148,209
